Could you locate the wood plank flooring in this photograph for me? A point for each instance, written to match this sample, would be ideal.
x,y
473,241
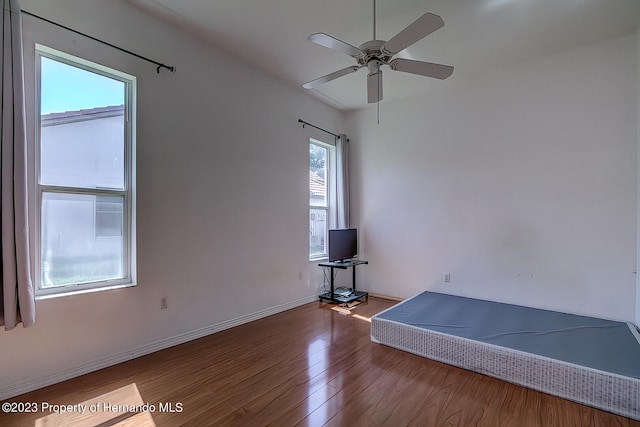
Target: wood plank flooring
x,y
311,366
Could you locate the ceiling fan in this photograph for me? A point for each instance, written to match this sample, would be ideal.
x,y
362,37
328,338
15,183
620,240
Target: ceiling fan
x,y
375,53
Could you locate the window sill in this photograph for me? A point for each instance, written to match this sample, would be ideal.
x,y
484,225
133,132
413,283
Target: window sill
x,y
83,291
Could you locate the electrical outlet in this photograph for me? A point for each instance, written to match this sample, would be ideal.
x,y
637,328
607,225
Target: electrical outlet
x,y
447,277
163,303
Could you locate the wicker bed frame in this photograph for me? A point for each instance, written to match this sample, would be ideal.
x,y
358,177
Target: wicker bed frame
x,y
604,390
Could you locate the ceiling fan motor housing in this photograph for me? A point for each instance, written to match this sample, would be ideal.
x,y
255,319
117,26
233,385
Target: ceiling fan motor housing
x,y
373,52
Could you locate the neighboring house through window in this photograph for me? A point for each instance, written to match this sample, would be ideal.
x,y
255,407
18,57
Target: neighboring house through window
x,y
85,177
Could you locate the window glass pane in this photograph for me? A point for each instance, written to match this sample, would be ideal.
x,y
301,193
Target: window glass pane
x,y
317,232
82,127
71,250
317,175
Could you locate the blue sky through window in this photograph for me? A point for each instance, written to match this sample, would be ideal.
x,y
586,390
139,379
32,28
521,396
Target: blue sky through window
x,y
67,88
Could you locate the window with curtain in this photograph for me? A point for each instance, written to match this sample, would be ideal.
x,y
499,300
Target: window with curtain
x,y
85,175
321,196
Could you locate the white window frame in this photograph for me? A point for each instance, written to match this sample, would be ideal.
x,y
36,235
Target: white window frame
x,y
128,192
331,200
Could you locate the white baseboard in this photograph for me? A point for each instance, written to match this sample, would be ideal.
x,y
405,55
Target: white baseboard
x,y
387,297
22,387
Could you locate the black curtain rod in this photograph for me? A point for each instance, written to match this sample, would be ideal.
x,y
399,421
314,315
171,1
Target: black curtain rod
x,y
313,126
160,65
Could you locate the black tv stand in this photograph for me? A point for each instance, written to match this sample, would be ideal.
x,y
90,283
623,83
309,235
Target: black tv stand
x,y
355,295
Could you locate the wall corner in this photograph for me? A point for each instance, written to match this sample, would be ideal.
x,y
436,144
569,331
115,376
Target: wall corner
x,y
637,319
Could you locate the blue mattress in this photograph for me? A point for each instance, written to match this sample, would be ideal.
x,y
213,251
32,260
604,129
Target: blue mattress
x,y
604,345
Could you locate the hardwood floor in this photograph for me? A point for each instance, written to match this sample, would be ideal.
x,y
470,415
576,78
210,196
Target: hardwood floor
x,y
313,365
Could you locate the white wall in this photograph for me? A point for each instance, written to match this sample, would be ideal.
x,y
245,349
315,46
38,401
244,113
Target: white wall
x,y
521,184
222,187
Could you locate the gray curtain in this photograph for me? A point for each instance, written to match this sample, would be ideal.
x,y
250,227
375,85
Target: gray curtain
x,y
17,303
342,160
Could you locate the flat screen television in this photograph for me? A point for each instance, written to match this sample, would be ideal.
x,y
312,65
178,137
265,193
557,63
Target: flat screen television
x,y
343,244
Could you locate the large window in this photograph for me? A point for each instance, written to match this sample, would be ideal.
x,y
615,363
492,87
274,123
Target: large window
x,y
85,179
321,195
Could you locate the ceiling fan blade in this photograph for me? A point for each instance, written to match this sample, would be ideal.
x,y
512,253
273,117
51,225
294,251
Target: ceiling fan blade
x,y
428,69
329,77
374,86
422,27
333,43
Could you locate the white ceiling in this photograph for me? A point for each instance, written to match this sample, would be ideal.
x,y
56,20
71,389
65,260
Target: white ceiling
x,y
478,36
